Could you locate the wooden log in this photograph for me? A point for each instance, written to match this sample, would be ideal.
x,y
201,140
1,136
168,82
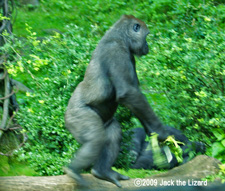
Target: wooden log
x,y
55,183
198,168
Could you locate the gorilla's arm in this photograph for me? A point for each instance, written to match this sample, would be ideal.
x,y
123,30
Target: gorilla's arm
x,y
125,82
137,103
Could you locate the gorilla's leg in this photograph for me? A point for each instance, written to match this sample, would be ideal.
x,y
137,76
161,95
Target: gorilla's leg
x,y
102,168
87,128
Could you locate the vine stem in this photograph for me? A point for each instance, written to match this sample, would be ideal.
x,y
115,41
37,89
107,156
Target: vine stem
x,y
6,103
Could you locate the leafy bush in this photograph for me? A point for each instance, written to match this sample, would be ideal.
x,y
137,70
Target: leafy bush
x,y
186,68
52,69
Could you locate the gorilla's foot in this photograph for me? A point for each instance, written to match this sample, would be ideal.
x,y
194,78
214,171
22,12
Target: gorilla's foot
x,y
121,177
109,176
76,176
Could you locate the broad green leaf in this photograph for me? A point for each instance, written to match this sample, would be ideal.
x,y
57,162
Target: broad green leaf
x,y
217,148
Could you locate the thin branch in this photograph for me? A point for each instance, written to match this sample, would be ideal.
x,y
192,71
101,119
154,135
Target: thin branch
x,y
4,22
15,128
11,118
9,95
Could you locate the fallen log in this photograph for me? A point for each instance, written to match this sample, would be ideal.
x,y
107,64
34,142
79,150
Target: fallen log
x,y
194,170
49,183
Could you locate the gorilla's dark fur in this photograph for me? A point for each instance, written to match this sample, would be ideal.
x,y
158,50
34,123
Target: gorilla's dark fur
x,y
143,158
110,79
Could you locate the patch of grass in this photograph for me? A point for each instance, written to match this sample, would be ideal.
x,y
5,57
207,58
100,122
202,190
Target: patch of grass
x,y
40,18
138,173
11,167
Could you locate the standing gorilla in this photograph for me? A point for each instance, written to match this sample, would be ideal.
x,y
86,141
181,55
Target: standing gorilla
x,y
110,79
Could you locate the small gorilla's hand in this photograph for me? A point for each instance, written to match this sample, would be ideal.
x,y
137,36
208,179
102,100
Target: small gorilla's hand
x,y
163,134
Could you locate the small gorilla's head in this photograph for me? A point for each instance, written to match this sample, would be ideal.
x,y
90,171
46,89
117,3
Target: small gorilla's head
x,y
136,33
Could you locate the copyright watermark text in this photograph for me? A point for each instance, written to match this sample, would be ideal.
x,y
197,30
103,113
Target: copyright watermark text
x,y
139,182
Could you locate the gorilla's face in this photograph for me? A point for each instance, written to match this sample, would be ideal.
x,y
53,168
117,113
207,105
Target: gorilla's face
x,y
137,33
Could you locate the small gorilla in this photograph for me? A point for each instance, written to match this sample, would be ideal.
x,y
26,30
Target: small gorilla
x,y
110,79
143,158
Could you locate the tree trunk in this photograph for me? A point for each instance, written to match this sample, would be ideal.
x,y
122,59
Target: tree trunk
x,y
5,26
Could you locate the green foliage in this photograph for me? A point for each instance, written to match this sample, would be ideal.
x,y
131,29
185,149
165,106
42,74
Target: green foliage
x,y
182,76
186,67
222,172
52,69
3,17
219,176
159,158
175,148
11,167
172,146
218,147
